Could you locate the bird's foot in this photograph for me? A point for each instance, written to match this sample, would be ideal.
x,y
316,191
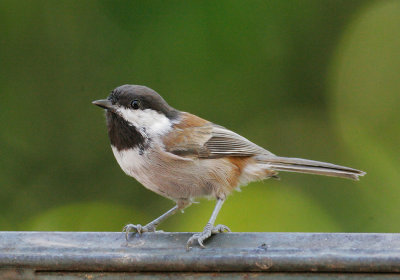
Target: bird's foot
x,y
209,229
138,229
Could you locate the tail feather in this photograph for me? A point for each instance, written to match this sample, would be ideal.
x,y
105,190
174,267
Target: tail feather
x,y
312,167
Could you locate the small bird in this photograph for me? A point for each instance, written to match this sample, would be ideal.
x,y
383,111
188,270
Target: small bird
x,y
182,157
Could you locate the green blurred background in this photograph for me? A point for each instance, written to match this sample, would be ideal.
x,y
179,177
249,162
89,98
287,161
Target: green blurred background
x,y
313,79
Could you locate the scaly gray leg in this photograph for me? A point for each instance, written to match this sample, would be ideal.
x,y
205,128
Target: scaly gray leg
x,y
150,227
209,229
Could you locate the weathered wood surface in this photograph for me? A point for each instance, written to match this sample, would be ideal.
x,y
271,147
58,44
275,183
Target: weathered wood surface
x,y
77,252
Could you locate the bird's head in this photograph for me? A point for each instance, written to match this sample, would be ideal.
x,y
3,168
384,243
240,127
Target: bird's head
x,y
139,106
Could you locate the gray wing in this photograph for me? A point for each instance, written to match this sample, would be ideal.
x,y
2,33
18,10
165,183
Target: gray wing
x,y
211,141
225,142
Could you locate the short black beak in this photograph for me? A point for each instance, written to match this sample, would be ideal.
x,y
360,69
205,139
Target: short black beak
x,y
104,103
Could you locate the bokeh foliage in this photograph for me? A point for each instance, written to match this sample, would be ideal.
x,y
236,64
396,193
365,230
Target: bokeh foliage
x,y
313,79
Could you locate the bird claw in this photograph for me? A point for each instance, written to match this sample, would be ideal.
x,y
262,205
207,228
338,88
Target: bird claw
x,y
137,229
220,228
209,229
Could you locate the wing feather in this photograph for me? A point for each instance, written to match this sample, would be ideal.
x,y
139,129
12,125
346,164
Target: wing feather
x,y
226,142
204,139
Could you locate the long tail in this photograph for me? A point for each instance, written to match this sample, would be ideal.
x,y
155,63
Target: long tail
x,y
312,167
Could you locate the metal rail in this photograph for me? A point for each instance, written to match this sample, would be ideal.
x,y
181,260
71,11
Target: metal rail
x,y
41,253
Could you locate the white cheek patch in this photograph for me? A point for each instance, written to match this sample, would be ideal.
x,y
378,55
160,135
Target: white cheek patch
x,y
151,120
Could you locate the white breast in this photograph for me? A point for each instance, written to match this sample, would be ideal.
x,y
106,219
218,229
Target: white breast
x,y
138,165
130,160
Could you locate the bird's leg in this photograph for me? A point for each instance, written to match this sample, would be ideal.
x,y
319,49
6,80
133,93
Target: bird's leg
x,y
150,227
209,229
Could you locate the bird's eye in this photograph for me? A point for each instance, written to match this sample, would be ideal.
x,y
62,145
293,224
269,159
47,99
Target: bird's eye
x,y
135,104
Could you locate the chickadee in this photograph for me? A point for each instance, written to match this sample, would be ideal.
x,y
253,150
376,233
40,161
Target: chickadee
x,y
182,156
